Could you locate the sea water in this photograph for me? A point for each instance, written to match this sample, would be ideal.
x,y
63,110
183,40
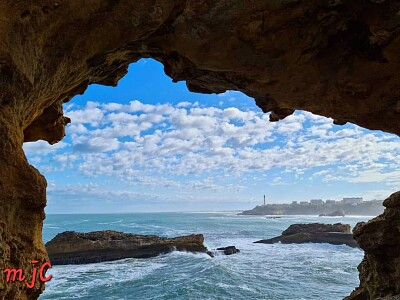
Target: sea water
x,y
259,271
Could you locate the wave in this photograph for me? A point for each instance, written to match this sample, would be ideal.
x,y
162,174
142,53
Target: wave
x,y
110,223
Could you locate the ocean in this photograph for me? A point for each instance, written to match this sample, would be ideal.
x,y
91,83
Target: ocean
x,y
259,271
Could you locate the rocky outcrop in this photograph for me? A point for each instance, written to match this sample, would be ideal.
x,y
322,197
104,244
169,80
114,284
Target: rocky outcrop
x,y
336,213
316,228
81,248
380,240
223,250
229,250
336,234
334,58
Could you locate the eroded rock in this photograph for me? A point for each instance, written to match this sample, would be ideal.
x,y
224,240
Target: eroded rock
x,y
72,247
316,228
336,234
334,58
380,240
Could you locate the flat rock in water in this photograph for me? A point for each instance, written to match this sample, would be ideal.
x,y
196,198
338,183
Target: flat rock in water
x,y
316,228
336,234
81,248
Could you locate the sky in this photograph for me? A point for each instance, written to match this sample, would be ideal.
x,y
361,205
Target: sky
x,y
150,145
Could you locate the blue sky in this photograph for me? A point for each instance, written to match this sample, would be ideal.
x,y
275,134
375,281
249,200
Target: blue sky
x,y
151,145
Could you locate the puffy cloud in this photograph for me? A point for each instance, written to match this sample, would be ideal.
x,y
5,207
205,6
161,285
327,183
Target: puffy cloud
x,y
150,144
377,176
97,144
90,115
42,148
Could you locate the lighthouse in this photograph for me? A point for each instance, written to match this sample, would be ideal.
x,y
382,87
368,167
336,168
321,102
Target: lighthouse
x,y
264,200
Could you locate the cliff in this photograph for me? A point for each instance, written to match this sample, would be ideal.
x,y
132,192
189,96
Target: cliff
x,y
338,59
81,248
367,208
380,240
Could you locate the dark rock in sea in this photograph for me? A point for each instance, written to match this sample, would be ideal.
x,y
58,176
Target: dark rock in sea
x,y
225,250
336,213
80,248
316,228
229,250
210,253
336,234
273,217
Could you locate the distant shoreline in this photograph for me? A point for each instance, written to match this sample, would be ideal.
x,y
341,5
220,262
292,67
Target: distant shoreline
x,y
149,212
365,208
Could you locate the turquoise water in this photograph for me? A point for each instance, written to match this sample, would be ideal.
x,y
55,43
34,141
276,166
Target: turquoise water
x,y
259,271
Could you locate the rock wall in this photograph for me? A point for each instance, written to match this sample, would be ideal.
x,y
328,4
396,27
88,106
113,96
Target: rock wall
x,y
22,202
380,240
336,58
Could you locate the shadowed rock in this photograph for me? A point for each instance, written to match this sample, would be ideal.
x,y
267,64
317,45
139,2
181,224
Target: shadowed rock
x,y
336,234
337,59
380,240
229,250
316,228
223,250
81,248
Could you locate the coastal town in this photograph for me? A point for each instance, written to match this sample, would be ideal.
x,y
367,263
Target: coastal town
x,y
346,206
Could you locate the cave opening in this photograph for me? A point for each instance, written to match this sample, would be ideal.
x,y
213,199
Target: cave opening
x,y
151,146
333,58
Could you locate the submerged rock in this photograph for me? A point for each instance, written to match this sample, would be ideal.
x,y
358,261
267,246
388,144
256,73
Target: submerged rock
x,y
80,248
229,250
225,250
336,234
336,213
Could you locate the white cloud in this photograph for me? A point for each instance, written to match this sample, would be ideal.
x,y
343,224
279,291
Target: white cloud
x,y
97,144
376,176
90,115
42,148
138,142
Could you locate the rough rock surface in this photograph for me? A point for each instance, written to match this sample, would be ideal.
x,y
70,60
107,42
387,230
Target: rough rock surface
x,y
334,58
72,247
380,240
316,228
337,234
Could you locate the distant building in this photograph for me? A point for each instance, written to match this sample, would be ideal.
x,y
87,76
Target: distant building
x,y
294,202
304,202
355,200
316,201
330,202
